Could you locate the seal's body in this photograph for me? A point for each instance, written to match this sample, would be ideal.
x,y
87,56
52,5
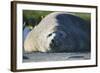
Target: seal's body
x,y
59,32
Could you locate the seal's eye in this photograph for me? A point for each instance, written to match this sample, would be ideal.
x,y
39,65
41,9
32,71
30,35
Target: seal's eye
x,y
49,35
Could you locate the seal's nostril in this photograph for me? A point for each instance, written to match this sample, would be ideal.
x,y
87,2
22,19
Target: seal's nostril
x,y
53,41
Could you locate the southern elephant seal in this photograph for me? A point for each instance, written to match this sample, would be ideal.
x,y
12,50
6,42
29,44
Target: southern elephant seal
x,y
59,32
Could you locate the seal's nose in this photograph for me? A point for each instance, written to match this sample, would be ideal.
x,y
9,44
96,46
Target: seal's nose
x,y
53,41
52,44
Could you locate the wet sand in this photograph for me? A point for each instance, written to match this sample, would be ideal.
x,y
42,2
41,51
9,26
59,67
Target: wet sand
x,y
43,57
